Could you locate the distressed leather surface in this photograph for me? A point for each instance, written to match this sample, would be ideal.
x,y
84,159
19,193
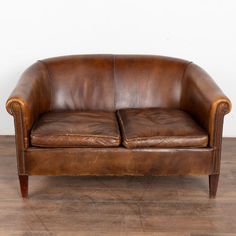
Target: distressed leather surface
x,y
82,82
160,127
202,98
108,83
30,98
118,161
76,129
148,81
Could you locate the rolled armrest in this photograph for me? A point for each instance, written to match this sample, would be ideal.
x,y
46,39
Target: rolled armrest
x,y
29,99
205,101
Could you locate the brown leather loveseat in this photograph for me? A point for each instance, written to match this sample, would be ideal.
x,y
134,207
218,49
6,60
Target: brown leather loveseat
x,y
117,115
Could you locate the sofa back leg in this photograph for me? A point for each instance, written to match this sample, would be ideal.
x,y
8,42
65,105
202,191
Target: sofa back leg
x,y
24,185
213,184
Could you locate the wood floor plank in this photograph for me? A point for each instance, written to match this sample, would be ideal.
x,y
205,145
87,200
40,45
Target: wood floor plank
x,y
160,206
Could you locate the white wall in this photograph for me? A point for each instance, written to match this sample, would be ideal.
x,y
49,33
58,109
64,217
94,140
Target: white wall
x,y
203,31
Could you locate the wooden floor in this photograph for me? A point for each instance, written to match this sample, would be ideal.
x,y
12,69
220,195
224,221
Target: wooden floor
x,y
162,206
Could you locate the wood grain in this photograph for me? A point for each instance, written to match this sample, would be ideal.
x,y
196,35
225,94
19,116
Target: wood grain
x,y
160,206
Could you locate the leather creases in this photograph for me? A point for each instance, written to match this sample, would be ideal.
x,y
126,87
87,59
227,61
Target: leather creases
x,y
76,129
117,115
160,127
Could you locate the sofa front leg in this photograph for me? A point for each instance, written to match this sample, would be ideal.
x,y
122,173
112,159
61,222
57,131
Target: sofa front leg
x,y
24,185
213,185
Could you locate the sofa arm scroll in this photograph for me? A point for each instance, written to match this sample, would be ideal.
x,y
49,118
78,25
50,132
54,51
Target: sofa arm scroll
x,y
29,99
205,101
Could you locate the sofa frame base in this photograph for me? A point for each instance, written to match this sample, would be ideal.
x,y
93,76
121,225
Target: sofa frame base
x,y
118,162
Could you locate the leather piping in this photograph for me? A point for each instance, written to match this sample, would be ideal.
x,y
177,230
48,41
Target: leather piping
x,y
154,137
221,110
81,135
19,149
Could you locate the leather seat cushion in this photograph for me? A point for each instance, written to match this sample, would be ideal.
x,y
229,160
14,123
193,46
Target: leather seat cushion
x,y
76,129
160,127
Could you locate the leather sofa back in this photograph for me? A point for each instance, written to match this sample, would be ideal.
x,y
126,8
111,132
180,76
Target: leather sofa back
x,y
107,82
81,82
148,81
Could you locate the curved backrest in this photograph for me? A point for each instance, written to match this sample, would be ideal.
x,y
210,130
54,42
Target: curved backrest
x,y
81,82
148,81
107,82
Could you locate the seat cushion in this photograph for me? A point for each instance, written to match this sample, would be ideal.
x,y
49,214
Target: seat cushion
x,y
160,127
76,129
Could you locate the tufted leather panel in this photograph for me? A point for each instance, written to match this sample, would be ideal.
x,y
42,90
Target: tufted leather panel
x,y
76,129
160,127
81,82
148,81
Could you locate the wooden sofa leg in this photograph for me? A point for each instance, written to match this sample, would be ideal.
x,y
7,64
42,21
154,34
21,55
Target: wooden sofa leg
x,y
24,185
213,185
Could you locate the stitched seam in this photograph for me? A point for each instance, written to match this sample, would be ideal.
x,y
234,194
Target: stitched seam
x,y
18,161
218,119
183,82
23,131
214,140
216,123
96,145
75,135
50,78
166,137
